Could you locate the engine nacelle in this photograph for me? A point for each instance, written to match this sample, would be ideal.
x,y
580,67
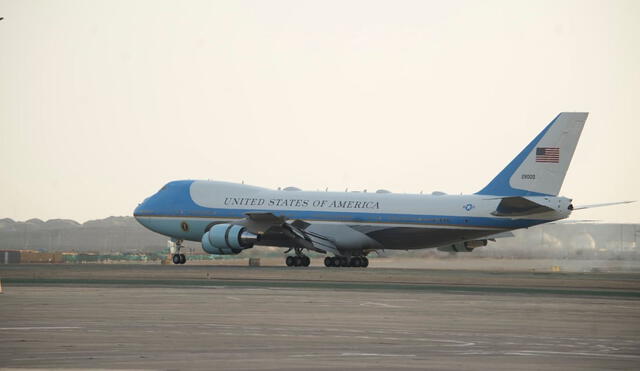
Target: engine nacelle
x,y
466,246
228,239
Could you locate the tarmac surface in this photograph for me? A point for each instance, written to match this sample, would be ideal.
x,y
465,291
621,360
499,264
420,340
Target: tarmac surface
x,y
203,317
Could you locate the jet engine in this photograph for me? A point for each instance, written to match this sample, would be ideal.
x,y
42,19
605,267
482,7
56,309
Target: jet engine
x,y
466,246
228,239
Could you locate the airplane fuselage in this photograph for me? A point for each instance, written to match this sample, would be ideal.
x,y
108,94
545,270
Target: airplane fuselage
x,y
183,210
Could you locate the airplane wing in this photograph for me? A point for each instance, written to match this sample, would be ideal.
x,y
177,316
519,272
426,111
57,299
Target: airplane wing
x,y
293,231
600,205
260,222
494,237
260,217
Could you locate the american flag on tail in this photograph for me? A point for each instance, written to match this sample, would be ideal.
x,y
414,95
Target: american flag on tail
x,y
548,154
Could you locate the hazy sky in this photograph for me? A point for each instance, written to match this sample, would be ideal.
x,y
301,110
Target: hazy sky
x,y
102,102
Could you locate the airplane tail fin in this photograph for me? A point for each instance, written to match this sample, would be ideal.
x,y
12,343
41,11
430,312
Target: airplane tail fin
x,y
540,168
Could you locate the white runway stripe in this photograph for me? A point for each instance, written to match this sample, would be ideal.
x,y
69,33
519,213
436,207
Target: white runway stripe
x,y
39,328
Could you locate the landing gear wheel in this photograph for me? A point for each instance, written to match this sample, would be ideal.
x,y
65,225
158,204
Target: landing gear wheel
x,y
289,261
365,262
328,262
298,261
176,257
356,262
337,262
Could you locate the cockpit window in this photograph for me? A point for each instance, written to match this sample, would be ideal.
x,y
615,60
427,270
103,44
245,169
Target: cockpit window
x,y
163,188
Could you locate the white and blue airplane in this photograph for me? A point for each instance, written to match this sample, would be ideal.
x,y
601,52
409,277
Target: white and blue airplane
x,y
228,218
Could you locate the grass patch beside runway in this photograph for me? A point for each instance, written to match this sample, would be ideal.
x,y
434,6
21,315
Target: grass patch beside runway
x,y
326,285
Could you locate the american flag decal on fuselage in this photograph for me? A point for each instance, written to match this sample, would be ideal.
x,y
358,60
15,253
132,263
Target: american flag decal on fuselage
x,y
548,154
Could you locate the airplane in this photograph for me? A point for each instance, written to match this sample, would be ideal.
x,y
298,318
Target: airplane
x,y
228,218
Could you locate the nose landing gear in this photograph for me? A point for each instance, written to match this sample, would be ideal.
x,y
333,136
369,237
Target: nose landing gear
x,y
177,257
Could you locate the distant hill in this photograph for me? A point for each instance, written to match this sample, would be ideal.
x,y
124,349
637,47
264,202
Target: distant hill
x,y
113,234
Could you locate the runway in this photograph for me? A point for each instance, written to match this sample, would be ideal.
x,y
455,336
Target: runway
x,y
241,318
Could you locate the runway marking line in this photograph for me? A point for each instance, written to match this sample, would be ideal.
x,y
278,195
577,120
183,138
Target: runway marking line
x,y
40,328
376,355
586,354
373,304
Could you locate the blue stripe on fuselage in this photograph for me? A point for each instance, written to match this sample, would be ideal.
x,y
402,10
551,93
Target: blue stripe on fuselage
x,y
174,200
354,217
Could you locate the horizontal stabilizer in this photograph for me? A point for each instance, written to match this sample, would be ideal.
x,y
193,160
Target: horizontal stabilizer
x,y
519,206
601,205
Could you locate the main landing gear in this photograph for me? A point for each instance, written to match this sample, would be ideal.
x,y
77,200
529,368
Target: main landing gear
x,y
300,260
178,258
343,261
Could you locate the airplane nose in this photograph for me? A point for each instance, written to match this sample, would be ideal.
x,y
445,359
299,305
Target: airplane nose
x,y
138,210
